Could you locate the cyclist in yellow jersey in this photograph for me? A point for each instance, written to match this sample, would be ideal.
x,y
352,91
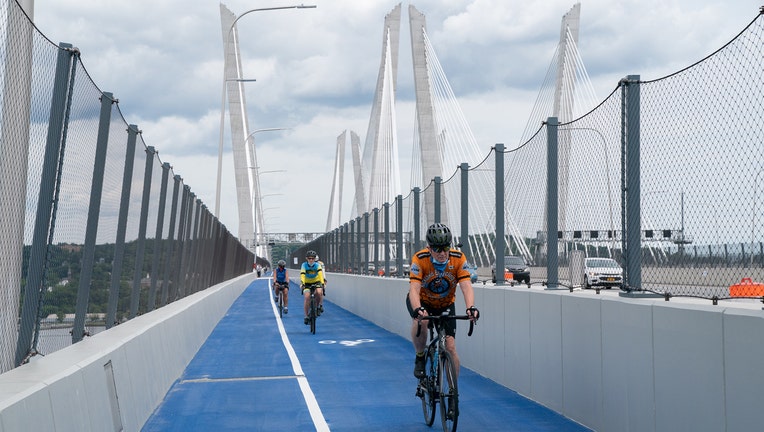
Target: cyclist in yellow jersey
x,y
311,273
434,275
323,290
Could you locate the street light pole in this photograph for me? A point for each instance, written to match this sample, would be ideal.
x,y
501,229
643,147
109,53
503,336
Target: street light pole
x,y
255,179
223,97
607,174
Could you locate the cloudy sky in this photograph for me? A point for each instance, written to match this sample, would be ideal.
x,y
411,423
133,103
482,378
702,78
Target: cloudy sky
x,y
316,70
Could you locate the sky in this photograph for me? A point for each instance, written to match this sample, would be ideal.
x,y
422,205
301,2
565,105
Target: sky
x,y
316,69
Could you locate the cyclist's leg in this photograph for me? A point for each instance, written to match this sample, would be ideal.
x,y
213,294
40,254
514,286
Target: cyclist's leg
x,y
320,298
450,326
306,302
285,293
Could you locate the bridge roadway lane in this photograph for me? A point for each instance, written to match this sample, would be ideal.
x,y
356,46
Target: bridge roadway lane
x,y
253,373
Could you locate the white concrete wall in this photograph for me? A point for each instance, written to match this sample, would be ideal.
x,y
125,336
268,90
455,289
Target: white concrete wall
x,y
608,362
69,390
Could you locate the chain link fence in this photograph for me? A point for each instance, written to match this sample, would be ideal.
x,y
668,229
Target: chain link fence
x,y
664,177
95,229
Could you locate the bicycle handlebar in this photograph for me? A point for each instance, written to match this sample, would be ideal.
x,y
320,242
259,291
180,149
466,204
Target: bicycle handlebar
x,y
443,317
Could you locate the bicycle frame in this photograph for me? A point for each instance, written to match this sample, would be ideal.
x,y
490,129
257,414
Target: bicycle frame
x,y
312,310
432,388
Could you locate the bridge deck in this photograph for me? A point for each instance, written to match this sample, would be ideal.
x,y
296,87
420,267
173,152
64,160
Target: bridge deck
x,y
257,372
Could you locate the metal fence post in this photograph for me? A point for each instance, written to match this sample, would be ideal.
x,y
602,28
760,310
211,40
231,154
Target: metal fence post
x,y
167,280
438,184
158,237
376,240
119,245
45,216
94,210
631,182
351,245
366,240
399,235
417,219
386,206
499,242
464,236
135,294
359,256
552,204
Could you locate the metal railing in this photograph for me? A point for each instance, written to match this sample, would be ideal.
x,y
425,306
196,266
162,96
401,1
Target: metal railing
x,y
96,229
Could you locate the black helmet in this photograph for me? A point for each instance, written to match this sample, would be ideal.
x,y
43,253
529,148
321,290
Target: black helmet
x,y
438,235
310,254
282,263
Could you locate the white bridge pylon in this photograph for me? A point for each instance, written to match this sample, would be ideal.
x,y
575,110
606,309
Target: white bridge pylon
x,y
444,140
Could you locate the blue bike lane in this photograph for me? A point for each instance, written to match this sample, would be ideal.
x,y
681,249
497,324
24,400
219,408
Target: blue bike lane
x,y
259,372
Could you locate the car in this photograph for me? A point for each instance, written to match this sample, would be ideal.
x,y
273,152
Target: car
x,y
473,272
604,272
515,266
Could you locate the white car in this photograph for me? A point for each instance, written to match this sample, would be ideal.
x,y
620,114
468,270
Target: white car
x,y
602,272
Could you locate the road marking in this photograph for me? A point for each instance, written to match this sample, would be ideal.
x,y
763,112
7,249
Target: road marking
x,y
257,378
346,342
310,399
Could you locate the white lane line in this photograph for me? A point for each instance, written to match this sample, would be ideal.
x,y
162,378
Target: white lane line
x,y
310,399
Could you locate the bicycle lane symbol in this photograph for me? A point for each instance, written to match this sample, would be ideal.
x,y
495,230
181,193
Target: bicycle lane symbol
x,y
346,342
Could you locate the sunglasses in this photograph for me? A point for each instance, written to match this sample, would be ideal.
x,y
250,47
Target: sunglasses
x,y
440,248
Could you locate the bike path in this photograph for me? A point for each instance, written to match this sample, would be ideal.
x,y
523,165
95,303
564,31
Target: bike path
x,y
259,372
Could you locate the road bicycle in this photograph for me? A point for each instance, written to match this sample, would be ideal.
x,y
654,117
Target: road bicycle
x,y
313,312
439,385
280,297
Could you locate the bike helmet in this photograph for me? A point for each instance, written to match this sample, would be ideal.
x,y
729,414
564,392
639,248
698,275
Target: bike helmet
x,y
438,235
282,263
311,254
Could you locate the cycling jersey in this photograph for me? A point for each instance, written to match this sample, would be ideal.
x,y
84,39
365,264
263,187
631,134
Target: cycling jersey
x,y
311,273
280,274
438,288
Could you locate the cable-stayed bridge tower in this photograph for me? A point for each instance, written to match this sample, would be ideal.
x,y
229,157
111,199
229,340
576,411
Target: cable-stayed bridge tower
x,y
376,171
443,139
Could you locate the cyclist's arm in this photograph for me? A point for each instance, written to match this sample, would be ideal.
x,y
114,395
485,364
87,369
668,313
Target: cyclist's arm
x,y
415,286
467,292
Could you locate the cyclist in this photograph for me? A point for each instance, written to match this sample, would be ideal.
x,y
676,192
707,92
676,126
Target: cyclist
x,y
310,273
281,282
323,290
435,272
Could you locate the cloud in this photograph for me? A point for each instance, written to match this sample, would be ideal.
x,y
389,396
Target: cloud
x,y
316,70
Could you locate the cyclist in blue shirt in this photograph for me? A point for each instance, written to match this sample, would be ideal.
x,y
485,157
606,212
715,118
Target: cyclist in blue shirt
x,y
281,282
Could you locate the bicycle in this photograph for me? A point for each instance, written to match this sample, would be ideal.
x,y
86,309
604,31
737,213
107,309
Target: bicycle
x,y
280,297
433,389
313,313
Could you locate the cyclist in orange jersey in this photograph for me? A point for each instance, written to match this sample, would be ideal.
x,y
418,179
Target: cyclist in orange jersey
x,y
434,275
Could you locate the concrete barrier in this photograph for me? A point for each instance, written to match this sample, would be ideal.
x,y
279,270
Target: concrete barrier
x,y
114,380
608,362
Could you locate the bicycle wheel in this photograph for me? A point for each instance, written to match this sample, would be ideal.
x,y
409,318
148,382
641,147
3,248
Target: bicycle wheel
x,y
312,313
281,303
449,394
428,389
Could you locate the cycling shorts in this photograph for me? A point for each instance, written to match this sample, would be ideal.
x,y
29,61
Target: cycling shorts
x,y
306,287
450,325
